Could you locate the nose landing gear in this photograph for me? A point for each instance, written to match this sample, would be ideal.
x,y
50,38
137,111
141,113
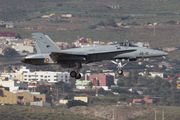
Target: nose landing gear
x,y
119,71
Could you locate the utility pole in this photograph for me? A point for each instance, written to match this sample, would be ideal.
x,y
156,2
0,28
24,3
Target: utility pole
x,y
163,114
57,94
155,29
155,115
63,89
35,80
96,86
96,91
113,114
95,113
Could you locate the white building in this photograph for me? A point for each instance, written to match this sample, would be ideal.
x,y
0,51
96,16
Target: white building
x,y
20,47
9,24
82,84
25,75
40,103
14,86
17,75
46,76
10,76
22,70
88,44
158,74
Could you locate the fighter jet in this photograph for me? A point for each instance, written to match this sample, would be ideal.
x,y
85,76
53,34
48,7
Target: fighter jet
x,y
48,53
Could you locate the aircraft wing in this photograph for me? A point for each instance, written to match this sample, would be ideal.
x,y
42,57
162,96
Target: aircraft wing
x,y
66,55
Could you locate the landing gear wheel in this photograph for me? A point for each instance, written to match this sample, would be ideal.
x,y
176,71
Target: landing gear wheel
x,y
120,72
78,76
73,74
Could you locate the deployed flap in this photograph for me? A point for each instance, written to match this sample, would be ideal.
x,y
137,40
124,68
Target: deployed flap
x,y
55,55
44,44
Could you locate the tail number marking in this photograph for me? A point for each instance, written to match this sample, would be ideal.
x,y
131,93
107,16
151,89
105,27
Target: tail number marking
x,y
144,53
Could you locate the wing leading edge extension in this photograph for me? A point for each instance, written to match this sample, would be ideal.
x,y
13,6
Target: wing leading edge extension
x,y
55,56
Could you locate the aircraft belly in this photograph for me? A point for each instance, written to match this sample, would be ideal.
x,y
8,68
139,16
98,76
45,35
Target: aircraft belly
x,y
114,55
106,56
92,57
34,61
71,58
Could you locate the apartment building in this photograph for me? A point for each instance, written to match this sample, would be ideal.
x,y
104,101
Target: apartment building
x,y
46,76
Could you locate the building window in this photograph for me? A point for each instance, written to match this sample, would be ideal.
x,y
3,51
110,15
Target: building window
x,y
29,75
25,75
41,75
55,79
55,76
45,76
48,76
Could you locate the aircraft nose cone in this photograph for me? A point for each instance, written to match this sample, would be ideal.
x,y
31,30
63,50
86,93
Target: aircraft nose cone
x,y
159,53
166,54
163,53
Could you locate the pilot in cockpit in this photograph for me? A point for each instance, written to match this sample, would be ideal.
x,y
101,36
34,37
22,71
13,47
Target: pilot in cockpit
x,y
127,44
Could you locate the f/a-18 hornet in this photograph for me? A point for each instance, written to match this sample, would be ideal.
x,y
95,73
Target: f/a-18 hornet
x,y
48,53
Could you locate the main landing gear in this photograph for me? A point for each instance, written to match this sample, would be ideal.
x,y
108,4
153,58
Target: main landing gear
x,y
119,71
76,72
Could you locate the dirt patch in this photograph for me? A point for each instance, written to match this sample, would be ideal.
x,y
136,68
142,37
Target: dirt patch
x,y
110,112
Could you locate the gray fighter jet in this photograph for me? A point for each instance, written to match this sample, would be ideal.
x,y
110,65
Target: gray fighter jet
x,y
48,53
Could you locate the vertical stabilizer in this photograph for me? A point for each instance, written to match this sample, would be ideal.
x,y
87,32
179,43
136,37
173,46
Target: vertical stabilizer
x,y
44,44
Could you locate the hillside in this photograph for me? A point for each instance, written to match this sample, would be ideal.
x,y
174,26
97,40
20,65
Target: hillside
x,y
170,113
122,5
41,113
22,9
129,113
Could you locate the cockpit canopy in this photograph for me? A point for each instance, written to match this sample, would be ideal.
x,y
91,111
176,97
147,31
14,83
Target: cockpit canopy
x,y
125,44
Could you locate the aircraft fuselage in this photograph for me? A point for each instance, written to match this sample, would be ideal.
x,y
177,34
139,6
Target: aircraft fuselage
x,y
95,53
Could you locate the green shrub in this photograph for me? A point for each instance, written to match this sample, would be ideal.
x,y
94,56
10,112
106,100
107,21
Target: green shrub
x,y
76,103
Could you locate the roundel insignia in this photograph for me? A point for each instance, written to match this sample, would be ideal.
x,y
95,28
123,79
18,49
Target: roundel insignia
x,y
47,59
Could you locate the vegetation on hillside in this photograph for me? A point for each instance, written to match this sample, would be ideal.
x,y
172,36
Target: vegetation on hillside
x,y
20,9
40,113
168,115
72,103
167,92
10,52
